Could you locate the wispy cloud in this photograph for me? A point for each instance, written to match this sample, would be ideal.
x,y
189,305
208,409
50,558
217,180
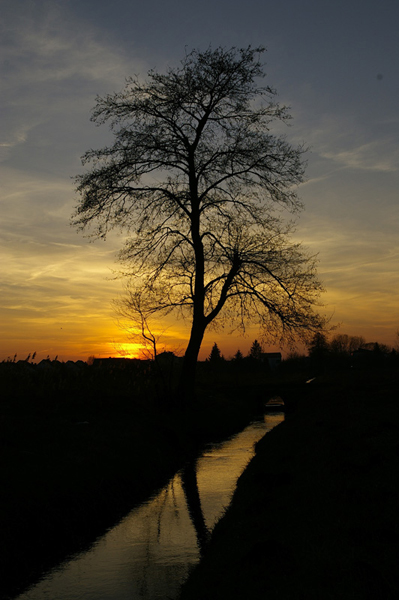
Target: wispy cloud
x,y
359,269
348,141
379,155
52,68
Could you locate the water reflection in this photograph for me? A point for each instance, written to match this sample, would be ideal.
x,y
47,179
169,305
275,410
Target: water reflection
x,y
191,492
149,553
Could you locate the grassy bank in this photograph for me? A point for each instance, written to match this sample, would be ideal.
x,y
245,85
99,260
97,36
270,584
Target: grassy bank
x,y
315,514
81,446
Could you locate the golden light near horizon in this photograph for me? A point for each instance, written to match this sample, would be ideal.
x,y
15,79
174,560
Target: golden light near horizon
x,y
128,350
60,302
88,325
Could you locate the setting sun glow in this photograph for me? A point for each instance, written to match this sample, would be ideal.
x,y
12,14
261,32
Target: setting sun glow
x,y
57,288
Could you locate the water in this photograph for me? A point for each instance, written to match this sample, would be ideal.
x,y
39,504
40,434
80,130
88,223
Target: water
x,y
149,553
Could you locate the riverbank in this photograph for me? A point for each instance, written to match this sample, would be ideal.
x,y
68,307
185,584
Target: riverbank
x,y
80,448
315,514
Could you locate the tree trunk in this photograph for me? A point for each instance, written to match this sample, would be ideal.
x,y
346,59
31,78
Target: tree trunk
x,y
187,376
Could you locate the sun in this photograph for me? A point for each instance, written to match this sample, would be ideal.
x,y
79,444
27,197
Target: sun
x,y
128,350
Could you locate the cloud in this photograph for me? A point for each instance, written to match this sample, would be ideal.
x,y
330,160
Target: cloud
x,y
379,155
53,66
359,142
359,269
51,45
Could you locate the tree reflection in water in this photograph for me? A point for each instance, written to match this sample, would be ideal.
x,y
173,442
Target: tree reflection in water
x,y
150,552
191,493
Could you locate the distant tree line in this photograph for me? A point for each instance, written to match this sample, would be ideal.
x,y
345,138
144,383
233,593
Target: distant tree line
x,y
344,349
255,353
341,350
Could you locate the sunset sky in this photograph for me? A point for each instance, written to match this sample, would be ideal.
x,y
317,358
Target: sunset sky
x,y
336,63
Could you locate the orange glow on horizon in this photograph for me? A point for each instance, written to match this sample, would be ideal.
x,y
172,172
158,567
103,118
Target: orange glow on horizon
x,y
130,350
71,333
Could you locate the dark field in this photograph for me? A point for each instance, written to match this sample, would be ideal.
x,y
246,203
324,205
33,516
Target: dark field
x,y
81,445
316,513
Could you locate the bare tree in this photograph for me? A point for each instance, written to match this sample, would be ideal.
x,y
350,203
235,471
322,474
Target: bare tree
x,y
137,314
345,344
198,181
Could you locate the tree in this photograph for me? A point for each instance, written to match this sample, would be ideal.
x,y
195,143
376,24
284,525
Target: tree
x,y
318,346
345,344
138,327
339,344
255,352
238,356
195,177
215,355
356,342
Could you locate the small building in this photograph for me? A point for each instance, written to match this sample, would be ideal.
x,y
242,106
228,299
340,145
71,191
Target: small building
x,y
168,358
114,363
273,359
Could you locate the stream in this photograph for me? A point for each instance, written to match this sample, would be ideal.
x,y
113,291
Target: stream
x,y
148,555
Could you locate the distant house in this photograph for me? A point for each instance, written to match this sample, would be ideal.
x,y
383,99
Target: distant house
x,y
361,353
273,359
168,358
118,363
365,356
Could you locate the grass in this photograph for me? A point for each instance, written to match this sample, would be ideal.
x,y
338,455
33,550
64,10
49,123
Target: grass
x,y
315,515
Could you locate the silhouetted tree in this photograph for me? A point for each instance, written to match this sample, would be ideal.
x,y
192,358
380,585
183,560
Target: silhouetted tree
x,y
138,316
195,176
238,355
339,344
255,352
342,344
380,349
215,355
356,342
318,349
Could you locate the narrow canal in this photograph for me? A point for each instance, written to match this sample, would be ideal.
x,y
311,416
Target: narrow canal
x,y
148,555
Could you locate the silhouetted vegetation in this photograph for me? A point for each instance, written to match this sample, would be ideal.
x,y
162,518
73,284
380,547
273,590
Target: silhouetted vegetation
x,y
215,356
255,352
344,351
81,444
315,513
197,179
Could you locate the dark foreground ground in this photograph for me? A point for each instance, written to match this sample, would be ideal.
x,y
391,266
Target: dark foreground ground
x,y
80,446
316,514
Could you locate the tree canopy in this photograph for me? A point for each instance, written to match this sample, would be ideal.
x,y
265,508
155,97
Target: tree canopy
x,y
198,181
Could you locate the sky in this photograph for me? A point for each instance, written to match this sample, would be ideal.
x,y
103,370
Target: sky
x,y
335,63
